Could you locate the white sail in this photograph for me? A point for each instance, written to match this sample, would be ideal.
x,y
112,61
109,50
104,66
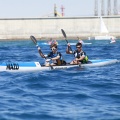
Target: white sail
x,y
103,28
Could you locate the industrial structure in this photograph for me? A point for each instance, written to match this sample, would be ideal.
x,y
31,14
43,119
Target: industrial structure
x,y
96,7
115,7
55,10
56,13
102,8
111,8
62,10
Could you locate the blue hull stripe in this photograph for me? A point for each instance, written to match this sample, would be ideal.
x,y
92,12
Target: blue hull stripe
x,y
21,64
32,64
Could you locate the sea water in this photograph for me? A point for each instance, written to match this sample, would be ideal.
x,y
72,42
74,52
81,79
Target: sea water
x,y
69,94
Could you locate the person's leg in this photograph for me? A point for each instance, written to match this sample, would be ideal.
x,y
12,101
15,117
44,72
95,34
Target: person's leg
x,y
52,64
47,64
73,62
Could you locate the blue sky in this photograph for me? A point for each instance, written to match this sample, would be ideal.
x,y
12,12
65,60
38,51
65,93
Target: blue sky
x,y
42,8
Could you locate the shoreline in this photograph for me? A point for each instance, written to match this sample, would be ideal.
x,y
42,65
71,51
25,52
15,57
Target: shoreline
x,y
46,39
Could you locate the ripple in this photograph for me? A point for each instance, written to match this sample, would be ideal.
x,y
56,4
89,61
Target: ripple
x,y
70,94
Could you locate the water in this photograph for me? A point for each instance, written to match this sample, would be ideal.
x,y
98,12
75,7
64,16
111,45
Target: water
x,y
75,94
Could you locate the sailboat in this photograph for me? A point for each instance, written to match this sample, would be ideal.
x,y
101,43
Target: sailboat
x,y
103,30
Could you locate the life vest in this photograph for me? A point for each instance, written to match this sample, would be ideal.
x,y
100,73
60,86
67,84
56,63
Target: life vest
x,y
60,61
79,54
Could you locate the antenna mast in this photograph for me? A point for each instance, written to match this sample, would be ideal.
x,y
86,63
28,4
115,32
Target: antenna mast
x,y
109,7
115,7
62,10
96,8
55,11
102,8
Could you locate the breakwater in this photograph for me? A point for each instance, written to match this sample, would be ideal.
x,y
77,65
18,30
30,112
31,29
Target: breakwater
x,y
45,28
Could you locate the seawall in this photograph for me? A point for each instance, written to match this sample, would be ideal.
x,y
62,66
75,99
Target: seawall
x,y
45,28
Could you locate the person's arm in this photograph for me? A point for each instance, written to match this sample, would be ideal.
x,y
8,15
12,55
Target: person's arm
x,y
81,58
55,58
68,51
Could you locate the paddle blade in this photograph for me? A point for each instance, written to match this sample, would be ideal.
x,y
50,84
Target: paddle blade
x,y
33,39
63,32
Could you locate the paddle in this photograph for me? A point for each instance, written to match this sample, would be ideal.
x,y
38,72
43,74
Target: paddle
x,y
64,34
35,42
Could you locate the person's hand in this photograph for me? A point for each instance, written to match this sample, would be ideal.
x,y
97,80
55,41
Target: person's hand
x,y
48,60
46,56
68,44
76,59
38,48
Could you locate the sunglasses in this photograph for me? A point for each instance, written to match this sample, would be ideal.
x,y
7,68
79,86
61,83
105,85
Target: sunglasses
x,y
53,48
78,47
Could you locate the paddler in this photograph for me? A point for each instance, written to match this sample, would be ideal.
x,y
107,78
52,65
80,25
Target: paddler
x,y
80,55
55,56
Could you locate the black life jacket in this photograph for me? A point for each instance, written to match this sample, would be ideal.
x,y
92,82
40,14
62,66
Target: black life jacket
x,y
79,54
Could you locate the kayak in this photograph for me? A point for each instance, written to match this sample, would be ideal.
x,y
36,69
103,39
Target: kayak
x,y
82,43
36,66
46,43
112,41
65,44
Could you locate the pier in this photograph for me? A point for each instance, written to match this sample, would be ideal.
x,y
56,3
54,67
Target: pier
x,y
50,27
